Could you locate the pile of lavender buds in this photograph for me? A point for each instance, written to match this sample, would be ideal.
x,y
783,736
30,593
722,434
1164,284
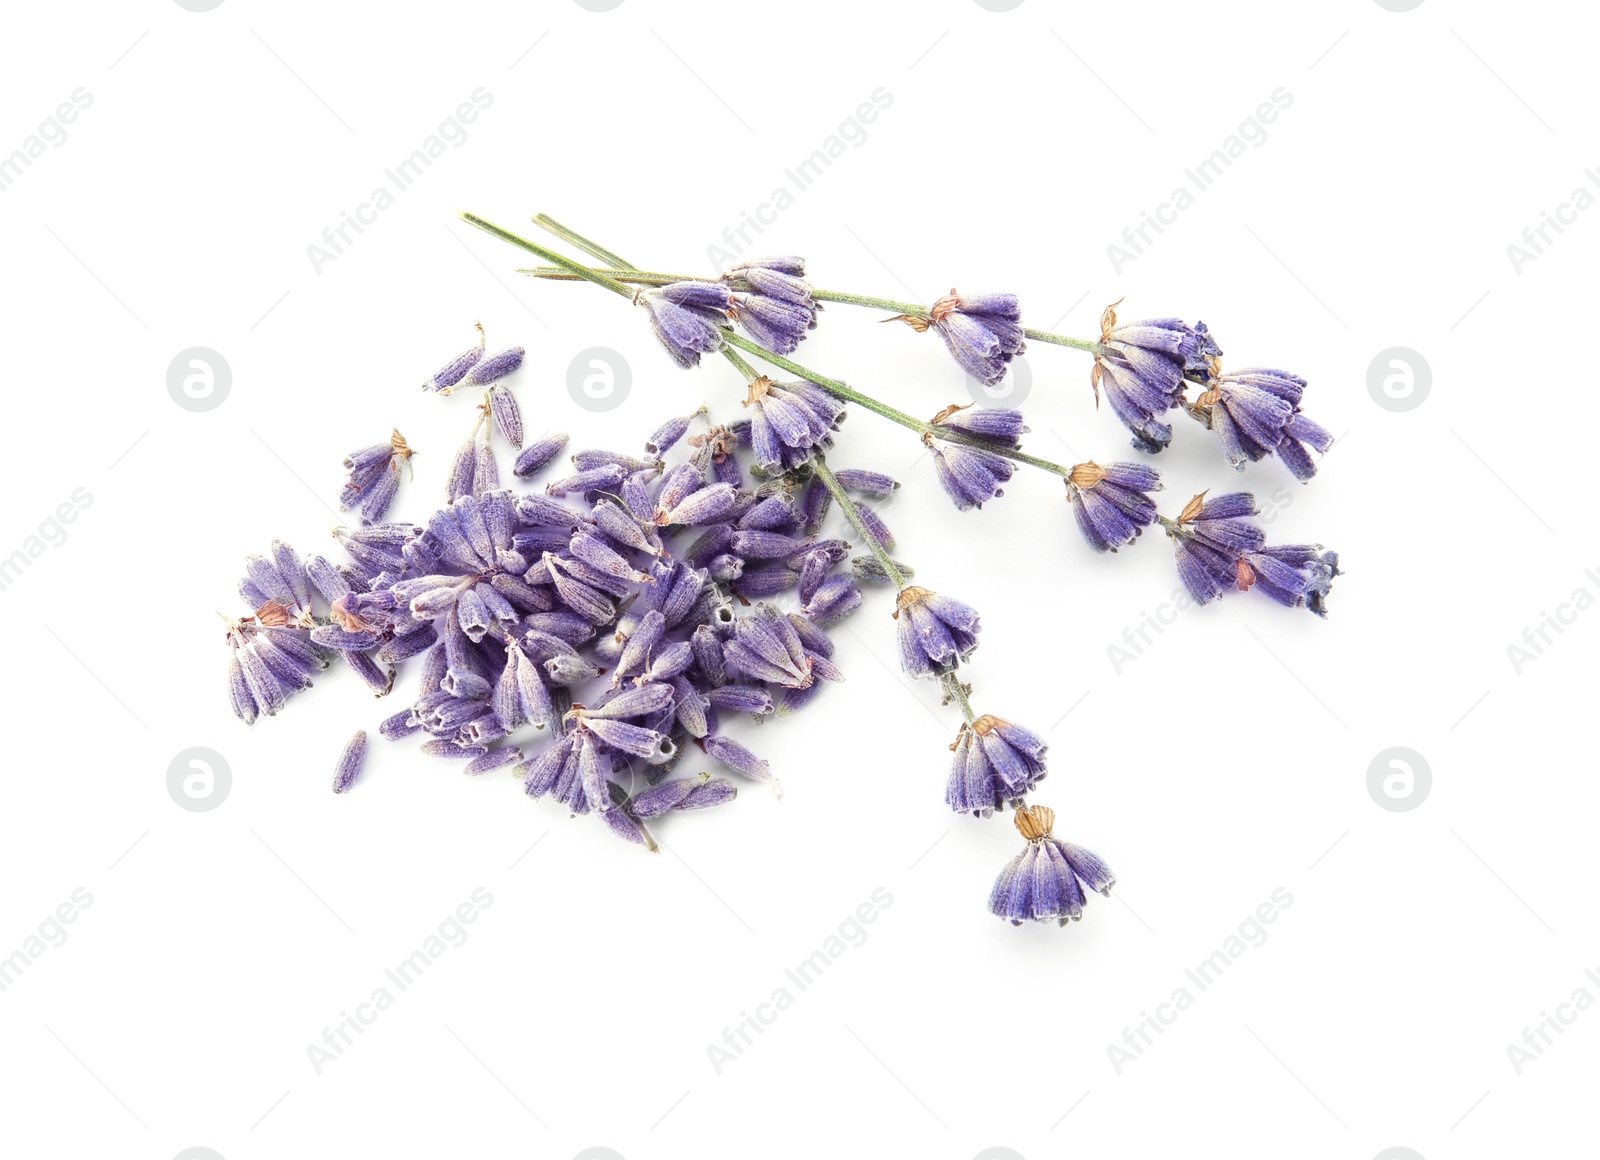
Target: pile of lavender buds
x,y
650,585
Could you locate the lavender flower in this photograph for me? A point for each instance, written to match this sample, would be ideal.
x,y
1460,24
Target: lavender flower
x,y
374,477
1295,575
1112,503
495,366
447,376
969,476
995,762
790,422
778,309
936,632
350,762
1000,426
1142,366
1256,413
1048,880
982,331
502,405
535,455
1210,537
691,327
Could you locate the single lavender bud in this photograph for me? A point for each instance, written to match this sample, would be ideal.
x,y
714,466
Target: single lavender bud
x,y
462,468
788,264
995,425
872,484
742,699
1111,502
378,678
536,455
835,598
447,376
507,415
485,469
877,530
936,633
715,792
668,795
495,366
767,581
1142,367
595,479
868,570
494,759
1048,880
706,506
398,726
350,762
736,757
666,436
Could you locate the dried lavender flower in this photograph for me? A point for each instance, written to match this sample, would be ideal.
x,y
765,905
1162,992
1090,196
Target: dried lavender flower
x,y
936,633
1256,413
1142,367
994,762
507,415
1048,880
983,332
1111,502
350,762
495,366
686,332
537,454
447,376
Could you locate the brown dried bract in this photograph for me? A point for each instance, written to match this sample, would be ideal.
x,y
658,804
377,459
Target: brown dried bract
x,y
759,387
987,724
1086,475
908,594
272,614
948,411
1035,822
1191,510
402,450
1108,320
915,321
1246,575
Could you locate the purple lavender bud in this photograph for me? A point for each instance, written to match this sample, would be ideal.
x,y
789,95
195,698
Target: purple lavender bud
x,y
462,468
981,331
713,542
627,827
568,626
705,506
936,633
507,415
535,455
666,436
872,484
775,513
994,424
644,637
447,376
876,529
777,325
495,366
669,795
635,702
494,759
617,524
725,569
686,332
379,679
239,694
742,699
1110,503
706,295
970,477
595,552
1142,367
350,762
835,598
767,581
789,264
1295,575
603,478
675,658
486,468
790,422
439,747
375,505
403,648
398,726
715,792
708,658
739,759
293,570
759,545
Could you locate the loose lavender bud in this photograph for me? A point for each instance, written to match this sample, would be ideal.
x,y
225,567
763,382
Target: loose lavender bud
x,y
1110,503
485,469
350,762
447,376
1048,880
494,759
715,792
742,699
736,757
536,455
507,415
596,479
835,598
398,726
936,633
872,484
705,506
495,366
659,799
666,436
877,530
462,468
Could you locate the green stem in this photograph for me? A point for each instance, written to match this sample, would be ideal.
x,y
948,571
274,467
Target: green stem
x,y
952,685
832,387
853,514
546,222
1064,340
749,372
551,256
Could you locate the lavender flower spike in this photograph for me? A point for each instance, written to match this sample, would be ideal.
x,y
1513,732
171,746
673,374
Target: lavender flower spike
x,y
350,762
687,331
1142,366
1048,880
1210,537
982,331
995,762
1256,413
789,422
1111,503
936,632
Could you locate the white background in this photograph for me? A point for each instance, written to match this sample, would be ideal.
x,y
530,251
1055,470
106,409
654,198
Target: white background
x,y
1227,761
